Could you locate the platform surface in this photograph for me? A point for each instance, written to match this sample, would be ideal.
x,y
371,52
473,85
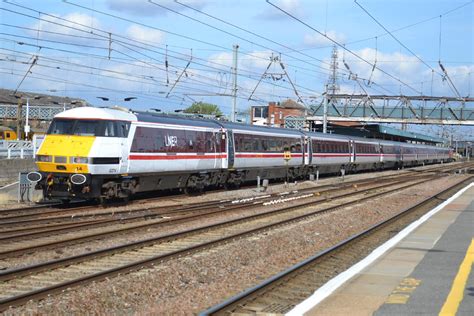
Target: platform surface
x,y
429,271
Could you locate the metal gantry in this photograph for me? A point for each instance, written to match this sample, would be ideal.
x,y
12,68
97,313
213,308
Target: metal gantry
x,y
395,109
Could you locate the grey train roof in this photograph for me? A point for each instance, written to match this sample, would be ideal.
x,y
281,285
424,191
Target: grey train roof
x,y
175,120
199,122
264,129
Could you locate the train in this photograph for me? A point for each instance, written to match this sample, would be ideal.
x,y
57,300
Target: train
x,y
107,153
7,133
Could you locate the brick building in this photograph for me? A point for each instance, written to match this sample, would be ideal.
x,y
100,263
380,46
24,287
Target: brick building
x,y
274,113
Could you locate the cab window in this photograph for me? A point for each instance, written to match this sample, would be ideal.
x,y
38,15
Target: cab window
x,y
102,128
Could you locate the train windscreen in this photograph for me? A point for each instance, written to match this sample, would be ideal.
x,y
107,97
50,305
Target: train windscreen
x,y
102,128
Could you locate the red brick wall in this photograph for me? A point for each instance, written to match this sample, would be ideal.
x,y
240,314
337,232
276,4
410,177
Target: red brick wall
x,y
274,111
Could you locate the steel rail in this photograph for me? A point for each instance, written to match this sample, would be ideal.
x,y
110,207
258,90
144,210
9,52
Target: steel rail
x,y
241,298
95,236
15,300
197,205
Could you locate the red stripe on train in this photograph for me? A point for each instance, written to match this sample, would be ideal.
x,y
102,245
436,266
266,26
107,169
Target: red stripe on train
x,y
266,155
174,157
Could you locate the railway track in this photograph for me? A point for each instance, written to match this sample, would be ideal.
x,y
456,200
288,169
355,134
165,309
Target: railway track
x,y
36,281
44,218
77,213
279,294
20,241
56,211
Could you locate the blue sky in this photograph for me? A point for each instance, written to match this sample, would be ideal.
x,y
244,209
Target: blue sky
x,y
120,48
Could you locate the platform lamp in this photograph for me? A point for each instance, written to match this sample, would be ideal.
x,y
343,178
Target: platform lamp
x,y
124,99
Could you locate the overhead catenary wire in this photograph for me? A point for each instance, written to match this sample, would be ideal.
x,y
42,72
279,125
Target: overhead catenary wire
x,y
244,30
150,26
240,28
177,64
400,28
395,38
340,45
451,83
78,29
75,52
82,30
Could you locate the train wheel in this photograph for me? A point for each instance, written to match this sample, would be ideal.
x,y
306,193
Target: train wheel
x,y
192,191
102,201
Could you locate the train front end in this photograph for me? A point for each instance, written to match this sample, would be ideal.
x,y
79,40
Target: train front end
x,y
83,149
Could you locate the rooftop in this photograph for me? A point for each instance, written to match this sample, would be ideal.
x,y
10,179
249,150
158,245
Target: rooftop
x,y
7,97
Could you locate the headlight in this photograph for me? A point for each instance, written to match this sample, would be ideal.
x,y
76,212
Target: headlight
x,y
60,159
80,160
78,178
34,176
44,158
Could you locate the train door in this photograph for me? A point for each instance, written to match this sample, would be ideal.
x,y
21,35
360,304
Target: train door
x,y
381,152
124,132
352,151
230,149
303,150
217,148
124,153
308,150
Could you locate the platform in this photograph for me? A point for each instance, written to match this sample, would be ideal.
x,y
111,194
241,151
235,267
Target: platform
x,y
429,272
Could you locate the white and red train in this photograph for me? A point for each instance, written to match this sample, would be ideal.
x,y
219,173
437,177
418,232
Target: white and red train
x,y
97,153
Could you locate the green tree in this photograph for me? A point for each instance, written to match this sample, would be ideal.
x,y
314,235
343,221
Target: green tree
x,y
203,108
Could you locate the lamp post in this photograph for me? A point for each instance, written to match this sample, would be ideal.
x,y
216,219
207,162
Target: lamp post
x,y
27,124
325,113
19,119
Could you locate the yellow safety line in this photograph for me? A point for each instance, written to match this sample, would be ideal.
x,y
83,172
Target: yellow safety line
x,y
456,294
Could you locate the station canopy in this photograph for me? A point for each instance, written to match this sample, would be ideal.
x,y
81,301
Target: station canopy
x,y
377,131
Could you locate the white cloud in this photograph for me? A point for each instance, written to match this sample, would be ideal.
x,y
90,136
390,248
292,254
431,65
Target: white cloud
x,y
144,34
71,24
223,58
315,39
409,69
254,61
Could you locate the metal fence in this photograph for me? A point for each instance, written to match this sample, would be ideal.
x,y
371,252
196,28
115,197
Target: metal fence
x,y
295,122
20,149
36,112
